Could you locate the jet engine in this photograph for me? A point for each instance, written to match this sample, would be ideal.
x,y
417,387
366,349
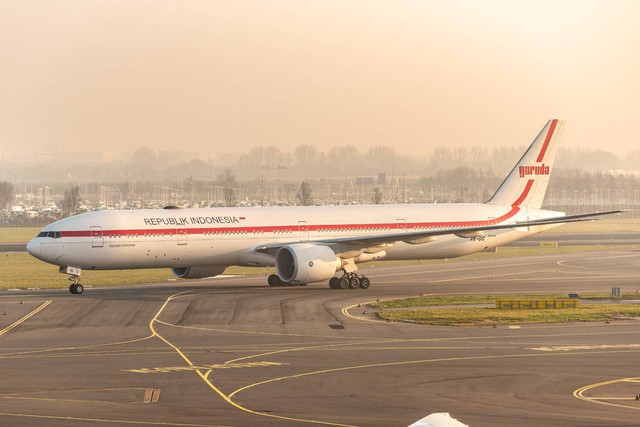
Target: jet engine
x,y
198,272
302,263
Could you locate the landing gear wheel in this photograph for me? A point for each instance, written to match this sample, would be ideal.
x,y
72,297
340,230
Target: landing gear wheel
x,y
274,280
364,283
76,288
343,283
334,283
354,282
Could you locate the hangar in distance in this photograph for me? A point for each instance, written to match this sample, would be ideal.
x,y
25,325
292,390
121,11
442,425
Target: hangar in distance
x,y
307,244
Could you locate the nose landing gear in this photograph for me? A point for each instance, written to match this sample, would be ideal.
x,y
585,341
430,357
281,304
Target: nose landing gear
x,y
75,287
74,277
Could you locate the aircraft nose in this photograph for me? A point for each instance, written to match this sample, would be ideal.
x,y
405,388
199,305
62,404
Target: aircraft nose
x,y
33,247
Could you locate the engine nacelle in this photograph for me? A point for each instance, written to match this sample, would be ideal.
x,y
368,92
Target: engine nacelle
x,y
306,263
198,272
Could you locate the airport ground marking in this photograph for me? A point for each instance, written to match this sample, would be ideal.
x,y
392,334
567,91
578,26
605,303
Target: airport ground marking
x,y
204,367
205,376
310,348
98,420
26,317
484,276
415,362
48,350
137,352
370,341
449,270
316,346
345,312
228,398
585,347
18,394
579,393
625,255
236,331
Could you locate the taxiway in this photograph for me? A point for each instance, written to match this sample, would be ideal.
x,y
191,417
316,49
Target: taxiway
x,y
231,351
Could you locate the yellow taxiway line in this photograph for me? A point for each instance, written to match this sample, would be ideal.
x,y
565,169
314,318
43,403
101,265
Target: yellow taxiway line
x,y
24,318
205,376
579,393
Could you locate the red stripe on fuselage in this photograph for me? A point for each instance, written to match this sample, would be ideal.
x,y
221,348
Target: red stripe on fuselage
x,y
547,140
329,228
515,208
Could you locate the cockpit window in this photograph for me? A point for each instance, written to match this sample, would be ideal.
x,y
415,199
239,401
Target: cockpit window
x,y
52,234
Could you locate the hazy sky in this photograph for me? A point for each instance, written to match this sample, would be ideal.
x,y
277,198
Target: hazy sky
x,y
225,76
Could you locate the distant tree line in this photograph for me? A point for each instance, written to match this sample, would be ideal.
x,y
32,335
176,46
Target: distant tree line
x,y
305,161
6,194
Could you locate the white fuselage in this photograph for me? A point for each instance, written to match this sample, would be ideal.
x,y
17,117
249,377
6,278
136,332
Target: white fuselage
x,y
176,238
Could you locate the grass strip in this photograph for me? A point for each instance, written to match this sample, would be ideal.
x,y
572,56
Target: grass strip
x,y
438,300
491,316
19,270
605,225
18,234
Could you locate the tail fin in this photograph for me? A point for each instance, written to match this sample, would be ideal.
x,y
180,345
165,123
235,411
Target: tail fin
x,y
527,182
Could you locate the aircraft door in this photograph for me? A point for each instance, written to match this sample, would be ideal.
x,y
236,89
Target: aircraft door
x,y
401,224
183,236
303,231
97,237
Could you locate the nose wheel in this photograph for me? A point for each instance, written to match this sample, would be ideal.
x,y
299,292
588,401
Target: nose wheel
x,y
75,287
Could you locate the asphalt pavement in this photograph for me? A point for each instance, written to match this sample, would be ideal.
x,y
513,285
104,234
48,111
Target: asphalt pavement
x,y
232,351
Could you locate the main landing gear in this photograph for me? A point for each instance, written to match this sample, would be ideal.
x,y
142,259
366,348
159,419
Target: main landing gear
x,y
75,287
349,281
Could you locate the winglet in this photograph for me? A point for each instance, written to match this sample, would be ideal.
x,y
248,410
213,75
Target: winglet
x,y
527,182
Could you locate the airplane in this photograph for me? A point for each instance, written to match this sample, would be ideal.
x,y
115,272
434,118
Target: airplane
x,y
438,419
307,244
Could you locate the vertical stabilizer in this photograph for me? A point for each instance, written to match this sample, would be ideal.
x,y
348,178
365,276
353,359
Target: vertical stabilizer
x,y
527,183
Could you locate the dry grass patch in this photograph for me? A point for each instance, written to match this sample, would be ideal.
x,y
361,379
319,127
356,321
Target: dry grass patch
x,y
492,316
18,234
22,271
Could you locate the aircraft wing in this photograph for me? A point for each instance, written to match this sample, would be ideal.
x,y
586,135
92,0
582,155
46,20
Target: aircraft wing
x,y
418,237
